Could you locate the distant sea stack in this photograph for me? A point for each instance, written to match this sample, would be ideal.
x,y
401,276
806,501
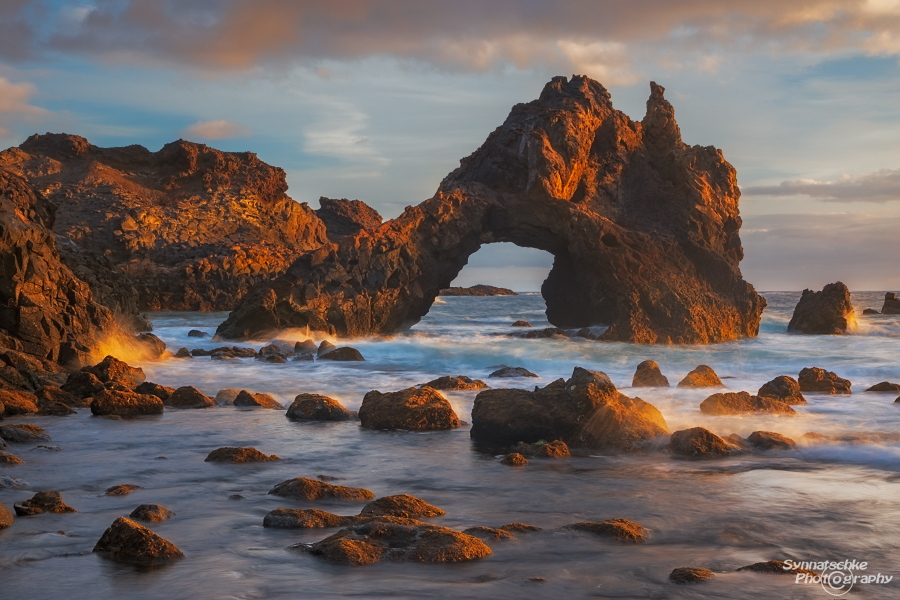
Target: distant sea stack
x,y
891,304
478,290
644,230
828,312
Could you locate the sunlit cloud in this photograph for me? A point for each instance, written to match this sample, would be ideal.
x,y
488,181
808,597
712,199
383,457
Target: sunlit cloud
x,y
216,130
880,186
15,98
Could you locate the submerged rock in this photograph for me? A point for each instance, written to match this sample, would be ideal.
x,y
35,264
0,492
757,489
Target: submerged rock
x,y
489,533
685,575
304,518
622,530
125,404
648,374
189,397
460,382
891,304
828,312
43,502
126,541
885,386
738,403
302,488
775,567
512,372
521,324
769,440
7,458
698,442
122,489
343,354
24,434
783,388
403,505
554,449
229,454
315,407
821,381
246,399
151,513
415,409
701,377
514,459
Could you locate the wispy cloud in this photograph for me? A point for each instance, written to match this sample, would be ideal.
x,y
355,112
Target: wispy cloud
x,y
880,186
215,130
15,98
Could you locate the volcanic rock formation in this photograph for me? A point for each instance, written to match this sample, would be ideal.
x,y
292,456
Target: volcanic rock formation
x,y
643,228
827,312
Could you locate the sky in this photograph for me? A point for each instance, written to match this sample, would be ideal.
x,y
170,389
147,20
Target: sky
x,y
379,99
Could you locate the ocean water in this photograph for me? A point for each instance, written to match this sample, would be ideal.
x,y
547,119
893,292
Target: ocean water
x,y
830,501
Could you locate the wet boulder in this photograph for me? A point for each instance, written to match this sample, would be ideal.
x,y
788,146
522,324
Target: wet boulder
x,y
828,312
304,518
7,458
183,353
403,505
151,344
769,440
622,530
324,348
125,404
305,347
512,372
514,459
6,517
783,388
230,454
315,407
460,382
196,333
42,502
189,397
226,397
698,442
302,488
343,354
154,389
50,394
701,377
18,403
151,513
127,541
891,304
820,381
246,399
885,386
415,409
122,489
521,323
738,403
648,374
113,369
23,434
686,575
870,311
554,449
489,533
83,385
776,567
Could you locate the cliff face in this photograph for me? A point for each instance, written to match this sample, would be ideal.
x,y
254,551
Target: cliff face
x,y
192,227
44,309
643,228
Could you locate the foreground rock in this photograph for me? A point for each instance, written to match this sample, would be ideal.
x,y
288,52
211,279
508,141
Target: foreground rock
x,y
477,290
403,505
626,208
125,404
151,513
189,397
821,381
17,403
415,409
248,400
42,502
111,369
891,304
126,541
738,403
685,575
648,374
396,540
23,434
698,442
769,440
701,377
783,388
6,517
460,382
315,407
828,312
622,530
238,455
586,411
6,458
303,488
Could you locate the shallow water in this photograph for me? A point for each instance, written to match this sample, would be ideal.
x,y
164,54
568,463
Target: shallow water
x,y
831,501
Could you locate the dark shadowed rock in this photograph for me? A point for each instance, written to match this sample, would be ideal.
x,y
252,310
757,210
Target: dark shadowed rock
x,y
737,403
183,353
775,567
460,382
512,372
870,311
315,407
521,324
769,440
42,502
189,397
344,354
477,290
226,397
113,369
246,399
891,304
415,409
324,348
783,388
622,530
229,454
126,541
23,434
828,312
154,389
554,449
403,505
302,488
821,381
151,513
514,459
644,230
685,575
122,489
83,385
698,443
306,346
305,518
6,517
50,394
885,386
648,374
346,217
125,404
701,377
196,333
18,403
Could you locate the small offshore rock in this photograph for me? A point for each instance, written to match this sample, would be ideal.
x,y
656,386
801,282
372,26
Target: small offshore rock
x,y
701,377
514,459
230,454
783,388
403,505
489,533
554,449
315,407
870,311
125,404
151,513
738,403
520,528
819,380
24,434
126,541
183,353
343,354
460,382
302,488
415,409
621,529
698,442
189,397
512,372
685,575
227,396
122,490
246,399
885,386
324,348
828,312
891,304
769,440
304,518
196,333
648,374
306,346
7,458
6,517
42,502
520,324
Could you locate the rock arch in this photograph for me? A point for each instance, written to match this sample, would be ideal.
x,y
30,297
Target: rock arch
x,y
642,227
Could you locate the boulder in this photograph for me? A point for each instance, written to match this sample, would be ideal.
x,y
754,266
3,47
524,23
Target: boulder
x,y
154,389
415,409
820,381
828,312
125,404
343,354
403,505
42,502
306,346
586,411
644,231
701,377
315,407
648,374
50,394
304,518
196,333
685,575
324,348
151,344
738,403
521,324
126,541
512,372
113,369
151,513
396,540
276,359
769,440
489,533
554,449
189,397
460,382
7,458
183,353
622,530
6,517
870,311
18,403
514,459
302,488
122,489
776,567
226,397
83,385
23,434
783,388
229,454
891,304
698,442
885,386
55,409
246,399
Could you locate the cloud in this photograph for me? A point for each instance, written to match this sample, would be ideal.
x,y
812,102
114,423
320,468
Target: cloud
x,y
215,130
14,98
880,186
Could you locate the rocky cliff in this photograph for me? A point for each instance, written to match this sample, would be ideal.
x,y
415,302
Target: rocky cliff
x,y
192,227
643,228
